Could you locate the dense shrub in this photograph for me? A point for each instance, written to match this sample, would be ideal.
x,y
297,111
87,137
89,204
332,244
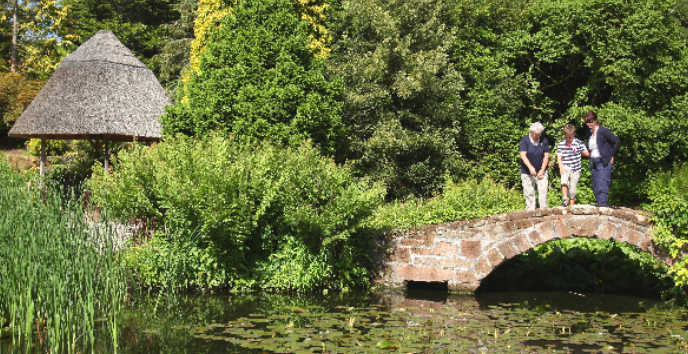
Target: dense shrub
x,y
467,199
71,162
402,92
16,93
71,169
257,77
241,214
668,193
52,147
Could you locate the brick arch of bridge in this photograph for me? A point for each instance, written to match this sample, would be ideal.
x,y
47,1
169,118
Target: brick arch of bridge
x,y
463,253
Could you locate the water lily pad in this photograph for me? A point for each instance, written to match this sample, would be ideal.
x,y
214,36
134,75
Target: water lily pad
x,y
385,344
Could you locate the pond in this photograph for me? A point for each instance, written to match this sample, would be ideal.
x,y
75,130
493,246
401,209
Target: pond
x,y
411,321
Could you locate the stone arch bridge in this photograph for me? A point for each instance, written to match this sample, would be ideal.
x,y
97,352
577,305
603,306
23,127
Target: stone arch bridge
x,y
463,253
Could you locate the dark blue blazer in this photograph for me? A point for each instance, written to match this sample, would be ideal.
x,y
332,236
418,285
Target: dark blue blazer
x,y
607,143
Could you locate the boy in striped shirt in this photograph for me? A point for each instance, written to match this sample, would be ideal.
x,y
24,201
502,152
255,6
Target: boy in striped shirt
x,y
569,152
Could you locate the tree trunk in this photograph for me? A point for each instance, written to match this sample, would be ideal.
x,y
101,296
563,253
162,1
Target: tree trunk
x,y
13,50
44,158
106,160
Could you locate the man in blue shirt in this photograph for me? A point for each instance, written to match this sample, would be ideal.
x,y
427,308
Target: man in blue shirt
x,y
534,152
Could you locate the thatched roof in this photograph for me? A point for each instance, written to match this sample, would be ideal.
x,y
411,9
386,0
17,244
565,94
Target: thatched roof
x,y
100,91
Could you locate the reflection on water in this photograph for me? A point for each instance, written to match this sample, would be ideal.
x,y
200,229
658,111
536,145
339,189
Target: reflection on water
x,y
411,321
405,321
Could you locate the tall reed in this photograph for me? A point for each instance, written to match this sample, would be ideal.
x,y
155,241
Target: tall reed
x,y
61,286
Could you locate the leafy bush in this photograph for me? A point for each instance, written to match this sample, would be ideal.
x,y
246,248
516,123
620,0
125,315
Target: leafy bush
x,y
71,169
16,93
467,199
257,77
52,147
241,214
668,193
402,92
175,263
71,161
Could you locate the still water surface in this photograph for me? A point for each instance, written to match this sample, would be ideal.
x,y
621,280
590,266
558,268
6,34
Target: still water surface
x,y
410,321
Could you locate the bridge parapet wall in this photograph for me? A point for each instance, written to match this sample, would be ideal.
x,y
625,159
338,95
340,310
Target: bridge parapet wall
x,y
463,253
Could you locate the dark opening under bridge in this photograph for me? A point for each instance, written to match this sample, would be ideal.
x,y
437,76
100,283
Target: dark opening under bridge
x,y
463,253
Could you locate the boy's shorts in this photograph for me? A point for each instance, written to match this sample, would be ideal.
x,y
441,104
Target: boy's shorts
x,y
570,178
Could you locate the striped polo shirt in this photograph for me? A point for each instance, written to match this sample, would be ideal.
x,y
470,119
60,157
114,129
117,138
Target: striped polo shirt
x,y
571,155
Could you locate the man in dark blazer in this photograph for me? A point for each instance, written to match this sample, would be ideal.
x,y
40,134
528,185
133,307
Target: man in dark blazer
x,y
603,145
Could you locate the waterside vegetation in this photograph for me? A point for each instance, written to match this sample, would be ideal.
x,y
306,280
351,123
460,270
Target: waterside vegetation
x,y
241,215
61,281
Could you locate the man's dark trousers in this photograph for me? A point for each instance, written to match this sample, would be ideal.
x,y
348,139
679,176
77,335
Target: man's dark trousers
x,y
601,178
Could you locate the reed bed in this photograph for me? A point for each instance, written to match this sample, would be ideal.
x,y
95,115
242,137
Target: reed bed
x,y
61,287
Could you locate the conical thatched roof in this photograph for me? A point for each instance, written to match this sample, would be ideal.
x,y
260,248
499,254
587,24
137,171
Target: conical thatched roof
x,y
100,91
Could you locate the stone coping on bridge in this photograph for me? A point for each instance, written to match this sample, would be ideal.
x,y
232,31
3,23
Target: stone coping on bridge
x,y
462,253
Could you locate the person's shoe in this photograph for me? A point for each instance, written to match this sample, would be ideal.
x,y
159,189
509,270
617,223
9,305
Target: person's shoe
x,y
565,203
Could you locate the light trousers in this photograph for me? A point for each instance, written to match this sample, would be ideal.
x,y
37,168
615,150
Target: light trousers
x,y
531,184
570,179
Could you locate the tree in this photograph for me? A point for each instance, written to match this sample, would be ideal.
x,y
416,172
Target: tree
x,y
402,95
627,60
31,45
174,53
315,13
5,35
15,29
16,93
257,77
139,24
499,102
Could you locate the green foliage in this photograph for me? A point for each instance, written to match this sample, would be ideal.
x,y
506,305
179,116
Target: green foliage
x,y
174,263
624,59
294,266
469,199
511,63
402,93
258,78
580,264
668,193
74,166
16,93
38,50
175,45
413,89
42,51
499,99
52,147
139,24
70,161
61,283
241,214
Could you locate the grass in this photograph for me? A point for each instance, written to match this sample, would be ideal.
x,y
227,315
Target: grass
x,y
59,287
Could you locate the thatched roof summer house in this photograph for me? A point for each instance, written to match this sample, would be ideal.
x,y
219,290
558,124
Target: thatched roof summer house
x,y
101,91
